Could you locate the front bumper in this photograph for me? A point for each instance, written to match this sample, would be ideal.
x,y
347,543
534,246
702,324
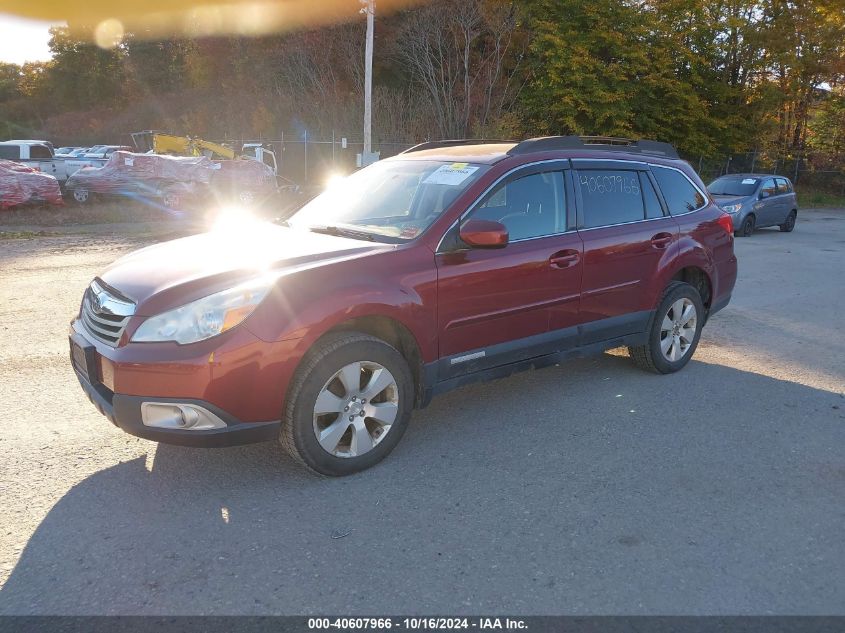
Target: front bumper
x,y
124,411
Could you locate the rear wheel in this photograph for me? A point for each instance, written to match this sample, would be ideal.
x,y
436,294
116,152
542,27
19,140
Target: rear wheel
x,y
789,223
348,404
747,227
81,195
675,331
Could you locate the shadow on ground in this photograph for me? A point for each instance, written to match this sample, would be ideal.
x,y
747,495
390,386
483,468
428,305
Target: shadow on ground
x,y
601,490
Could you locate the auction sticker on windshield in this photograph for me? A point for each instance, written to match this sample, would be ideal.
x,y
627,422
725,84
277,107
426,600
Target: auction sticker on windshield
x,y
452,175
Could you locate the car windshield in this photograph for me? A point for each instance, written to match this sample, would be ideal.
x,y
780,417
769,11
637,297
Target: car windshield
x,y
394,200
733,186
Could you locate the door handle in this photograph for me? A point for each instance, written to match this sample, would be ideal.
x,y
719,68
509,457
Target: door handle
x,y
565,259
661,240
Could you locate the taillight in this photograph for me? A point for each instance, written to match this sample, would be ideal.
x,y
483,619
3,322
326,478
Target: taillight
x,y
726,222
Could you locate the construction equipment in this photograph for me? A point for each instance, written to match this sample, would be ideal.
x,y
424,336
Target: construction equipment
x,y
161,143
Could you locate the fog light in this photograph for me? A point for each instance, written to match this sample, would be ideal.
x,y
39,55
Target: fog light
x,y
173,415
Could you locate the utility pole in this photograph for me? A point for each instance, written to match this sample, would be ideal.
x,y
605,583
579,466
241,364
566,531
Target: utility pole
x,y
367,155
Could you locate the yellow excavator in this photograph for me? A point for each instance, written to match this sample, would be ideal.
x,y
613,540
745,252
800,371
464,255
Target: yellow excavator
x,y
161,143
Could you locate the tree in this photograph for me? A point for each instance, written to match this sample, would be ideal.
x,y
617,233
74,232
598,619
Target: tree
x,y
10,75
81,74
458,52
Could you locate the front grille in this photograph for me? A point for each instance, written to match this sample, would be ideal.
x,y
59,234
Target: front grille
x,y
105,315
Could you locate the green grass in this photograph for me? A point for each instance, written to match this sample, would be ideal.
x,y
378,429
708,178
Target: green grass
x,y
97,212
820,200
24,235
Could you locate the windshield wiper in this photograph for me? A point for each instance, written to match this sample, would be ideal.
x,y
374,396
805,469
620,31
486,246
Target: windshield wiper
x,y
338,231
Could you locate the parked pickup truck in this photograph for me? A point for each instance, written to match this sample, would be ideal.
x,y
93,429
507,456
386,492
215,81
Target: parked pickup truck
x,y
35,154
96,156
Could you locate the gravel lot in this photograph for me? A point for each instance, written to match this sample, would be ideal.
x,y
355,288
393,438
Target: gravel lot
x,y
586,488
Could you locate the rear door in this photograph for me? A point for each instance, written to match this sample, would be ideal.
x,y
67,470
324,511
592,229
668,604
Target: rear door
x,y
495,306
627,234
785,199
769,203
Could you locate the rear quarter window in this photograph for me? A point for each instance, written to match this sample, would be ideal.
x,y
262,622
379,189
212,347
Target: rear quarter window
x,y
680,194
10,152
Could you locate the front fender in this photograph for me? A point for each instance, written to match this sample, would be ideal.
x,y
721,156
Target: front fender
x,y
399,285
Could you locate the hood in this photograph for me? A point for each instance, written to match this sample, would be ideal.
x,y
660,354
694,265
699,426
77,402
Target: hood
x,y
724,201
173,273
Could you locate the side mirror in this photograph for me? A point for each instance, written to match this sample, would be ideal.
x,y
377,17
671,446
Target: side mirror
x,y
484,233
764,194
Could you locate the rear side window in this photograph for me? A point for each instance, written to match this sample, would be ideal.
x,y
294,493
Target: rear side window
x,y
39,152
610,197
680,194
10,152
783,185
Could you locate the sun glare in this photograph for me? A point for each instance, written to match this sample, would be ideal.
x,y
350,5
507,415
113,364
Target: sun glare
x,y
234,220
334,180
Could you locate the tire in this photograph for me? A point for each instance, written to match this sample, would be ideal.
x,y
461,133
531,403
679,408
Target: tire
x,y
651,356
81,196
172,200
789,224
746,229
322,377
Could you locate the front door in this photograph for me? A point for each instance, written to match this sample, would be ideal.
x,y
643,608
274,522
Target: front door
x,y
627,232
495,306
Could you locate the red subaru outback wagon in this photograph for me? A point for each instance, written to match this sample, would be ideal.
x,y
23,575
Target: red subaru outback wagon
x,y
451,263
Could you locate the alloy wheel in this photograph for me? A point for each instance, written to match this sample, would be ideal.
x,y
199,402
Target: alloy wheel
x,y
748,227
790,222
356,409
677,332
80,195
171,200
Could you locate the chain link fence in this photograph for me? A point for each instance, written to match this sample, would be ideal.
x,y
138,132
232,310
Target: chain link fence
x,y
309,161
813,171
312,161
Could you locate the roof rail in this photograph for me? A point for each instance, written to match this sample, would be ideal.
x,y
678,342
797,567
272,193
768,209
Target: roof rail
x,y
602,143
452,143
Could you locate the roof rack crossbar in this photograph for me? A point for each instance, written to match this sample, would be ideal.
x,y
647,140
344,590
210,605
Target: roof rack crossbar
x,y
598,143
451,143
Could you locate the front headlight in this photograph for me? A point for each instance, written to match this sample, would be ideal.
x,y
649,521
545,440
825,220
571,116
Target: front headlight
x,y
732,208
206,317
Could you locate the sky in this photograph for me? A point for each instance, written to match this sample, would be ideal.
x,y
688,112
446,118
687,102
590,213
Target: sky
x,y
23,40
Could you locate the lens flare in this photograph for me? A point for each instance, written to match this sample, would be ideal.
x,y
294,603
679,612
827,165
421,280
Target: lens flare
x,y
234,220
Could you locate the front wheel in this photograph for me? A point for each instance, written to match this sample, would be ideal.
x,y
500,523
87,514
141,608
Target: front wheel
x,y
348,404
747,227
81,195
172,199
789,224
675,331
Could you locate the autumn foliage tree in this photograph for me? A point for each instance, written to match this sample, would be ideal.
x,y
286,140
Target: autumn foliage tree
x,y
715,77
